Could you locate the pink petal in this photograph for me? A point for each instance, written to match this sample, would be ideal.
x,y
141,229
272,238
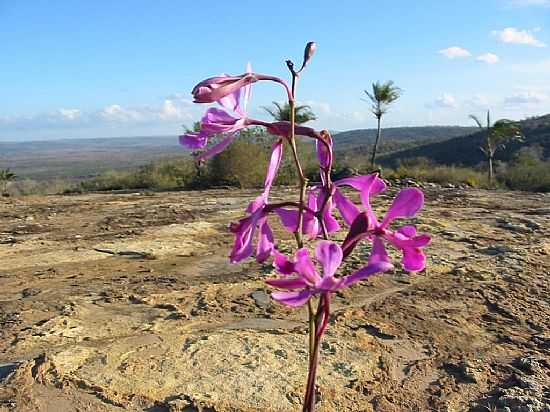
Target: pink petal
x,y
265,242
305,267
414,259
347,208
324,153
217,148
283,265
257,203
293,299
408,230
369,183
289,218
244,232
329,255
274,163
246,92
358,230
400,240
406,204
378,253
366,272
287,283
231,101
329,283
194,140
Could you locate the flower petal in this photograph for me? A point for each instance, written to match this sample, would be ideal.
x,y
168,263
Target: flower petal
x,y
329,255
244,232
370,183
217,148
407,230
366,272
358,230
406,204
324,150
287,283
378,253
194,140
347,208
305,267
293,299
414,259
289,218
274,163
265,242
282,264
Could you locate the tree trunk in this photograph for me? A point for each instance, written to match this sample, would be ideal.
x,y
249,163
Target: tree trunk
x,y
375,148
490,159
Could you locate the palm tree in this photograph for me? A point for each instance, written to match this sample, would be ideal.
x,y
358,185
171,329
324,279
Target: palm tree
x,y
5,176
496,137
281,112
381,96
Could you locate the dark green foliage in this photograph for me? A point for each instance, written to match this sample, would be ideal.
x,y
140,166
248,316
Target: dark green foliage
x,y
6,175
281,112
242,164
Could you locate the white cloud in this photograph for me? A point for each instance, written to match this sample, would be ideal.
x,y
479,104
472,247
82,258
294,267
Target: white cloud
x,y
533,97
479,101
513,35
319,107
488,58
455,52
70,114
446,101
113,115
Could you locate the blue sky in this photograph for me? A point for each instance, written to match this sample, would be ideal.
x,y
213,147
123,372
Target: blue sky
x,y
74,69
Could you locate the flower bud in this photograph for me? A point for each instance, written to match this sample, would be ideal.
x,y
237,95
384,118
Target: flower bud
x,y
308,53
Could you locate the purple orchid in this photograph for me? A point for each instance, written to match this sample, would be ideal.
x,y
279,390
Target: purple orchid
x,y
216,88
307,281
217,121
259,209
314,217
365,225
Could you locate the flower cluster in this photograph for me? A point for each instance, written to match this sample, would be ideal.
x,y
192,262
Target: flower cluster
x,y
314,215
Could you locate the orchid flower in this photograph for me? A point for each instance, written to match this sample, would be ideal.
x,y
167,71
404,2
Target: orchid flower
x,y
312,225
216,88
307,281
245,229
217,121
365,225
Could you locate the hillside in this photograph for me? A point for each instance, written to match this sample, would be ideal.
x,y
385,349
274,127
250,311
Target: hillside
x,y
363,137
465,149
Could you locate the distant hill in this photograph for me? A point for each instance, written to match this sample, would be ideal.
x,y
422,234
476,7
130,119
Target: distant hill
x,y
366,137
464,150
77,158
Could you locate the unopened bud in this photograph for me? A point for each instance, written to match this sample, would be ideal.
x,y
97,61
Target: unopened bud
x,y
308,53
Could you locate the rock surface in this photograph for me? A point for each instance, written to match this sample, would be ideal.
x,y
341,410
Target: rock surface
x,y
165,323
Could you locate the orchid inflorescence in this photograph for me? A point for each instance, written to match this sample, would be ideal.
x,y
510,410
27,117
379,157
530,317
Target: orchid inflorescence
x,y
305,278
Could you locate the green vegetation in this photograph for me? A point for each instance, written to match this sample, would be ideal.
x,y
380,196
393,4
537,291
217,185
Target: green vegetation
x,y
496,137
381,96
6,175
422,169
281,112
435,154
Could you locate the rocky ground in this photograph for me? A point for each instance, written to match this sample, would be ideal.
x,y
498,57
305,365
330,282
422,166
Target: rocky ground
x,y
112,302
